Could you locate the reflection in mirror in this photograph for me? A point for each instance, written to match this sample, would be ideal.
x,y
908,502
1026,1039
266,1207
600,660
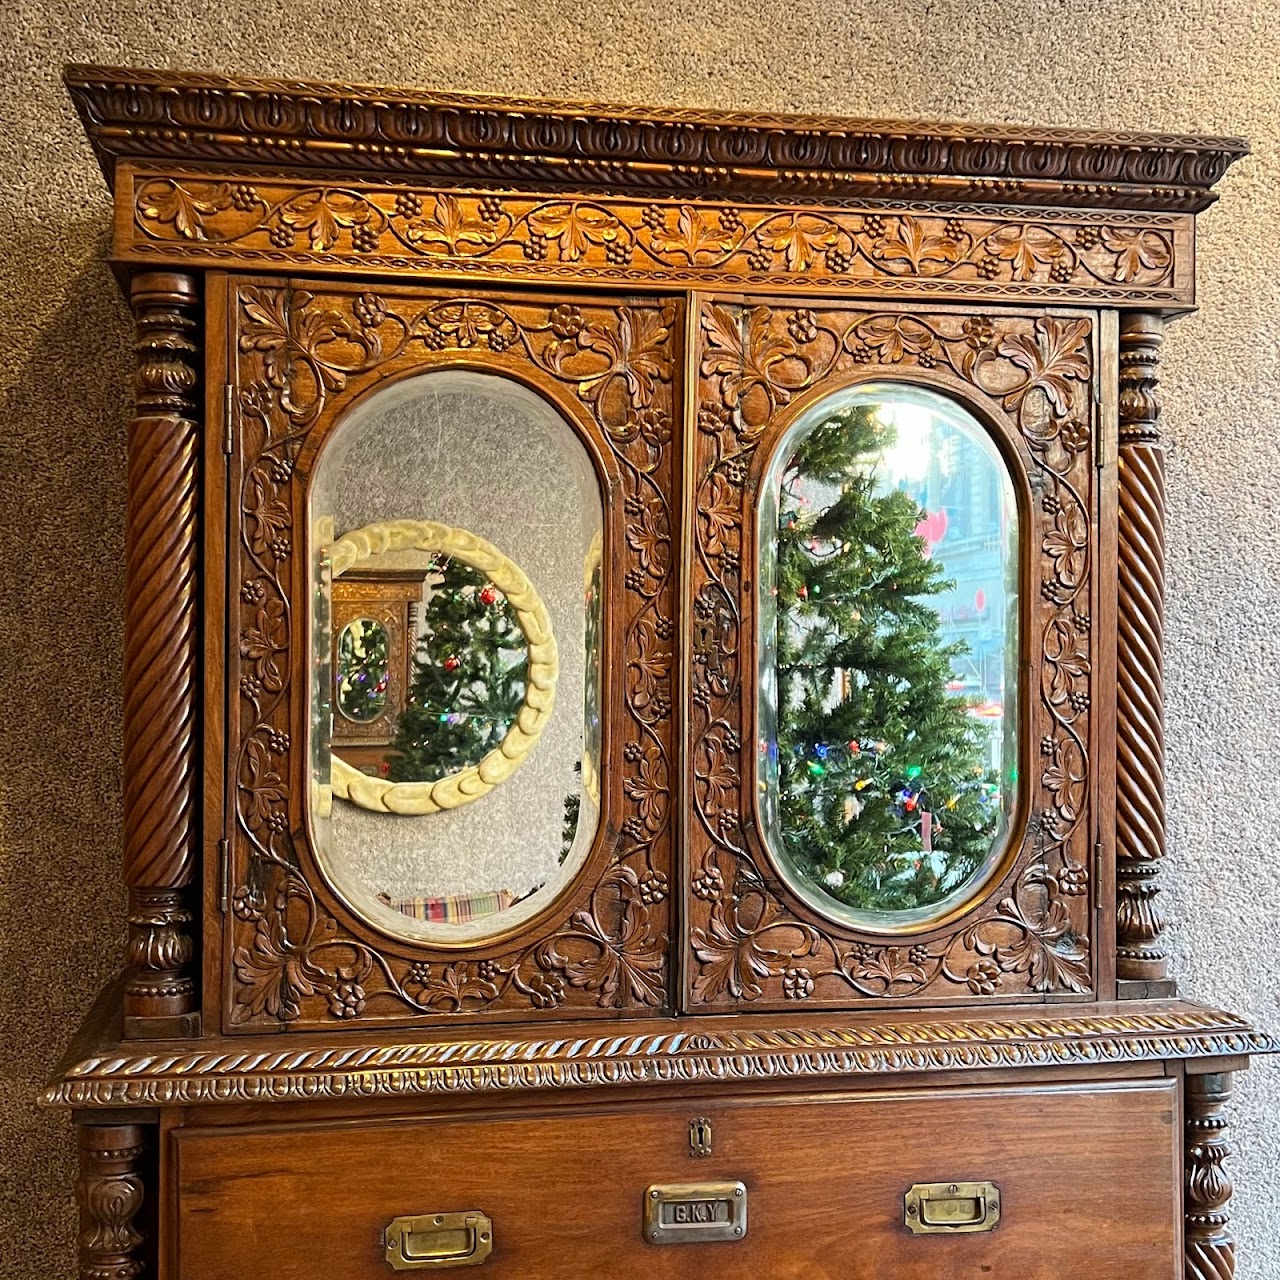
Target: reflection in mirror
x,y
888,750
458,533
363,670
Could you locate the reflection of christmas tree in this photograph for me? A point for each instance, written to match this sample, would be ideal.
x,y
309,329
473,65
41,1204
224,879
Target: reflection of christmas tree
x,y
884,796
362,670
468,681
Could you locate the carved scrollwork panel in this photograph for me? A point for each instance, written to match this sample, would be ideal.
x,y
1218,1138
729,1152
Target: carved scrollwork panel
x,y
1030,933
969,251
296,956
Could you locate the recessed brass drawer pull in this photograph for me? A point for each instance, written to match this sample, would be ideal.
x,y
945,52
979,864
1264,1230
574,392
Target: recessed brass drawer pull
x,y
438,1240
951,1208
695,1212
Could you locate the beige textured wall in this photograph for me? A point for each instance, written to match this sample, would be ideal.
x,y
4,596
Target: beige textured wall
x,y
1206,65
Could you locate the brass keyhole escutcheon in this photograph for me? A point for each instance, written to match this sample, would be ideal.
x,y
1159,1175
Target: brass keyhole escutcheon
x,y
699,1137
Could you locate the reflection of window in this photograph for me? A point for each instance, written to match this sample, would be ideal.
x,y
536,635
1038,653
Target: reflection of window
x,y
888,652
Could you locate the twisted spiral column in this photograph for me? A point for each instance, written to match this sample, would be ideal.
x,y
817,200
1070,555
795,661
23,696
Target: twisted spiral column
x,y
1140,813
160,658
1210,1246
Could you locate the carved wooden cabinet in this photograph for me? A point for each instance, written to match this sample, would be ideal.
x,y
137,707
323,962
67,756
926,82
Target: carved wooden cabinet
x,y
643,732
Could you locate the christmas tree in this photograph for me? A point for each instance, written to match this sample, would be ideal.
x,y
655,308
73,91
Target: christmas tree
x,y
885,799
468,680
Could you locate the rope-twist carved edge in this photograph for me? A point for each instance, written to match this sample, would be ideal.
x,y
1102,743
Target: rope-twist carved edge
x,y
477,780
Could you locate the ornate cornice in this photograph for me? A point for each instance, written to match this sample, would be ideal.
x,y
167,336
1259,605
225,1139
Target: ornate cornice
x,y
450,137
675,1052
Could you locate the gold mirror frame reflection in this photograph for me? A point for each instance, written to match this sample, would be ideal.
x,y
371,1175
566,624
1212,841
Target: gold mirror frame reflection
x,y
456,789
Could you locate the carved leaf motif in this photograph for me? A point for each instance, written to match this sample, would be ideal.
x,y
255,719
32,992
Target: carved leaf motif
x,y
916,246
647,537
1025,247
450,227
895,336
173,203
800,237
1067,654
734,962
622,968
638,351
575,227
647,788
273,975
719,510
1136,249
263,787
266,516
324,214
1047,951
697,232
718,774
261,643
1058,355
746,366
649,666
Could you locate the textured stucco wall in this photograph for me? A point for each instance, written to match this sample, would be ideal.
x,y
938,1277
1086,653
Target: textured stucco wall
x,y
1206,65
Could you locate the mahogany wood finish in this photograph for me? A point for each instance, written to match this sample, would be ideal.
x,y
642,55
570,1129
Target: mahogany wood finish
x,y
110,1192
750,938
1062,1157
1210,1247
160,624
679,285
1140,829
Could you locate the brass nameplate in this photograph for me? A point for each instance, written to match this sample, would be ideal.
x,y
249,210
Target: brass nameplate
x,y
952,1208
695,1212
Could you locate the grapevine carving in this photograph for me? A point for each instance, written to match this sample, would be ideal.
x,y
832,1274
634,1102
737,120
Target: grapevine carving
x,y
972,252
1031,934
302,356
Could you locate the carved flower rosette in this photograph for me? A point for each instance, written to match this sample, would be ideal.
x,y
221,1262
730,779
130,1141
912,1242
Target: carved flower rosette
x,y
298,957
1026,935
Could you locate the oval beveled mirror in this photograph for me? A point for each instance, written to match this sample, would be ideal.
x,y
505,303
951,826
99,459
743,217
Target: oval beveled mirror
x,y
455,519
888,656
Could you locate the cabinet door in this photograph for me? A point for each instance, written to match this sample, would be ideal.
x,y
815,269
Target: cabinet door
x,y
893,656
506,852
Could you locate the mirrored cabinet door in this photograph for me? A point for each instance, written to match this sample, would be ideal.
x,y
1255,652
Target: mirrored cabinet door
x,y
454,595
895,526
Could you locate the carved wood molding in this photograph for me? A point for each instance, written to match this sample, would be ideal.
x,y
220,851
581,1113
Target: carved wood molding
x,y
160,761
1140,811
750,940
1210,1246
675,1053
276,223
296,956
110,1194
349,129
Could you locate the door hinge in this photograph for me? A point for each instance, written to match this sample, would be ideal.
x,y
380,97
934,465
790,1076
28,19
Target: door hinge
x,y
228,418
224,875
1097,871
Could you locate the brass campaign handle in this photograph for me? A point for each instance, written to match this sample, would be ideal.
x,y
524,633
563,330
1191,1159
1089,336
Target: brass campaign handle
x,y
438,1240
952,1208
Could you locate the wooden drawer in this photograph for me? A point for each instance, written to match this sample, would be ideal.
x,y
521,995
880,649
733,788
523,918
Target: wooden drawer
x,y
1088,1179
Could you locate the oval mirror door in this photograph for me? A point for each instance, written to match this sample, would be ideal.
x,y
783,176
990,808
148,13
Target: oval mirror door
x,y
889,640
457,534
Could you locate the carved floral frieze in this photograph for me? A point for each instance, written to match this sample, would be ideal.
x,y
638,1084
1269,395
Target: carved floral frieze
x,y
302,355
966,252
1031,934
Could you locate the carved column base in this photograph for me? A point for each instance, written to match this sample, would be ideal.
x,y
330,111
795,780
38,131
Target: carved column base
x,y
1211,1248
110,1193
160,991
1141,958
